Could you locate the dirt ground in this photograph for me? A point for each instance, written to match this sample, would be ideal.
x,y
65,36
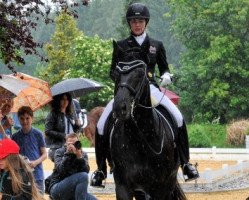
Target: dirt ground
x,y
202,165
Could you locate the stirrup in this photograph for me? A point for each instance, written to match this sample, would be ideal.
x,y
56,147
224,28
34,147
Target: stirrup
x,y
190,176
96,179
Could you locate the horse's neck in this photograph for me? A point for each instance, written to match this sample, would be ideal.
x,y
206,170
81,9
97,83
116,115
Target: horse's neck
x,y
145,117
145,99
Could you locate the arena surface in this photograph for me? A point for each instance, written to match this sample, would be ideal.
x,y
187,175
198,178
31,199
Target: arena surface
x,y
202,165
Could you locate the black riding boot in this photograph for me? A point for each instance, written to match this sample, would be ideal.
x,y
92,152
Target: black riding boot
x,y
101,152
189,171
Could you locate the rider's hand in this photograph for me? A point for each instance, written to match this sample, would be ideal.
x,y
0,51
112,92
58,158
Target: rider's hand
x,y
77,122
166,79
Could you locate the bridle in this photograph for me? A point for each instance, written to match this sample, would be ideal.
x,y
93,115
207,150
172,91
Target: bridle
x,y
126,68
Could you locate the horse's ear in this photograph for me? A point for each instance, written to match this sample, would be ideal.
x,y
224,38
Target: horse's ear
x,y
115,45
118,51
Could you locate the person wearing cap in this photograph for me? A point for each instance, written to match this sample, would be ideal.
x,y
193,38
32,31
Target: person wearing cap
x,y
32,144
16,178
138,17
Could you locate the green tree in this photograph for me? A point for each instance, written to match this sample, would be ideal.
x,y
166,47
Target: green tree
x,y
61,50
214,76
92,60
18,19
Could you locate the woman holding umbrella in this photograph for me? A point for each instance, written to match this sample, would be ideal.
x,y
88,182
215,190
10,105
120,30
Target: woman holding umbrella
x,y
59,123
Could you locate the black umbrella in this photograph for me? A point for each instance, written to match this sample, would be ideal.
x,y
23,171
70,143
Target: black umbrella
x,y
76,87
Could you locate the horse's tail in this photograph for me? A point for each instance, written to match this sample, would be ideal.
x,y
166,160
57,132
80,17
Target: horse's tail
x,y
178,193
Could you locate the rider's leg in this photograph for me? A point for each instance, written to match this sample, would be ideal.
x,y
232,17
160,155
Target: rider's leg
x,y
189,171
183,146
103,117
101,148
101,154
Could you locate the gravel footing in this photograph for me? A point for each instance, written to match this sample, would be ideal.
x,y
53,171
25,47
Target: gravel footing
x,y
222,185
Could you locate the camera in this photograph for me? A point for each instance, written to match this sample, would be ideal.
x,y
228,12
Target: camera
x,y
77,145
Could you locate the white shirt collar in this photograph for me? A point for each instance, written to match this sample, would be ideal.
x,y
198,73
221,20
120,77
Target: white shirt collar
x,y
140,39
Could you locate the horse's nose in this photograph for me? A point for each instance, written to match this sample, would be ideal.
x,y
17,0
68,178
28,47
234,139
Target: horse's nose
x,y
120,110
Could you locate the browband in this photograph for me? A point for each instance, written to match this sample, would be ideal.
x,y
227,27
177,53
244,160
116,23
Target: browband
x,y
125,67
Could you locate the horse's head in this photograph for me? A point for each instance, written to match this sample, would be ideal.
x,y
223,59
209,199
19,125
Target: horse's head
x,y
132,86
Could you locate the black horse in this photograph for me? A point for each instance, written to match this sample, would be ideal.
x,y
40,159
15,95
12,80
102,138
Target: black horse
x,y
142,142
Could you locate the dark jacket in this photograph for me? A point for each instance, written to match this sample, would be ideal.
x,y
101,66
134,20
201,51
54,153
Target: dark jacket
x,y
67,164
154,49
55,129
6,187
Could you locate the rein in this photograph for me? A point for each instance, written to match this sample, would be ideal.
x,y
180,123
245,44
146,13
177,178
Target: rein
x,y
144,139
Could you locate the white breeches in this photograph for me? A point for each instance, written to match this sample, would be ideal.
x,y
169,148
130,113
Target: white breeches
x,y
157,97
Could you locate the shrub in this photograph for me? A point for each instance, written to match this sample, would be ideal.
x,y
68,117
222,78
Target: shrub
x,y
236,132
198,138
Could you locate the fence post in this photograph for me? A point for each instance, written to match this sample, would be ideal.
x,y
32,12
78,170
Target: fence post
x,y
214,151
240,166
208,176
225,170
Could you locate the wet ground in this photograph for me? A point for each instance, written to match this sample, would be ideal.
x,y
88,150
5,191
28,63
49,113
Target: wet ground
x,y
200,193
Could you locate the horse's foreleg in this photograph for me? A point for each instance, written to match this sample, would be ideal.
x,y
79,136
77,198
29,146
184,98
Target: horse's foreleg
x,y
122,193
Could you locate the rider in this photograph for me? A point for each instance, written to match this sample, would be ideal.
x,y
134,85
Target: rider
x,y
138,17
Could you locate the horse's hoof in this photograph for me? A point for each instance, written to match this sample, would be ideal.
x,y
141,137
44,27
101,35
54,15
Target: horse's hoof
x,y
189,172
97,178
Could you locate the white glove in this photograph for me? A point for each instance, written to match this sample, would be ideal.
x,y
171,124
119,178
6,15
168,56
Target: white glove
x,y
166,79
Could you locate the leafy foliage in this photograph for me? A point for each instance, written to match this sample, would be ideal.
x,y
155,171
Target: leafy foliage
x,y
207,135
214,77
199,139
72,54
17,19
61,49
92,60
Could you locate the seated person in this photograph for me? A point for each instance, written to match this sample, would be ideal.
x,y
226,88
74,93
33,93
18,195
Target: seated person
x,y
69,179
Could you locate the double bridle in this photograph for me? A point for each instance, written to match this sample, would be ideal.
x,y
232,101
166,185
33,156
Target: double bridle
x,y
126,68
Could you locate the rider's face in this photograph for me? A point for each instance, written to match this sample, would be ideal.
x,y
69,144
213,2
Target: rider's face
x,y
137,26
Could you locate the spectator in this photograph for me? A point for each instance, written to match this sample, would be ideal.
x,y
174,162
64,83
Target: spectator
x,y
69,179
6,120
17,181
32,144
59,123
16,122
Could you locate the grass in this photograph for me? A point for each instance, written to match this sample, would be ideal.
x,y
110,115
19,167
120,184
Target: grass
x,y
215,133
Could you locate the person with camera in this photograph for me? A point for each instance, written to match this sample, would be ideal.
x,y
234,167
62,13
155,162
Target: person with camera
x,y
69,179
